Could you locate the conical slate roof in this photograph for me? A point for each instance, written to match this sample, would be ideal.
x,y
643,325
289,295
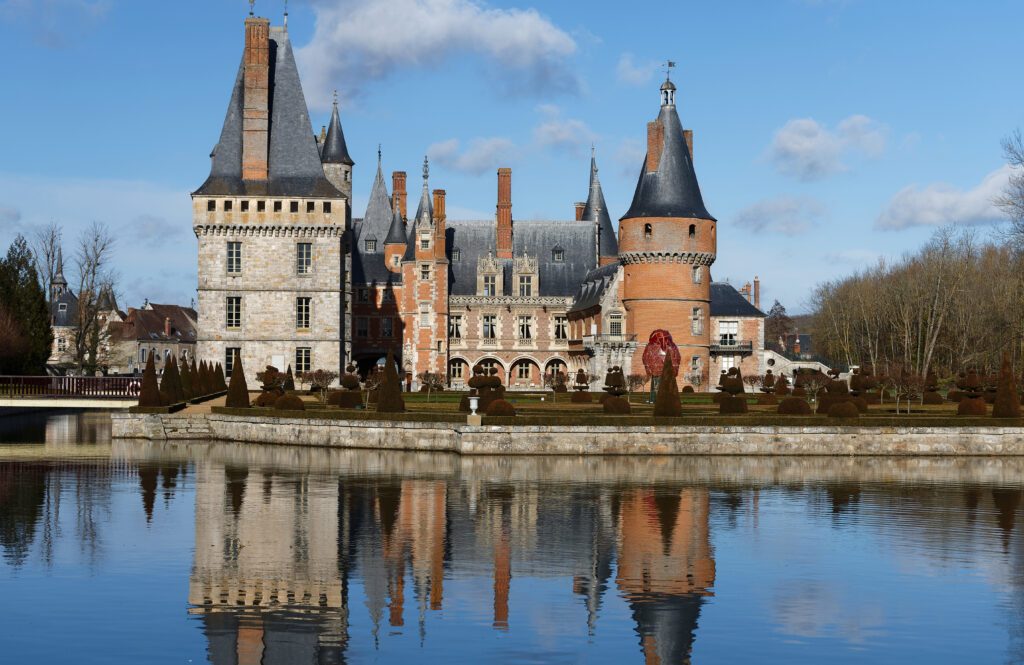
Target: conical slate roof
x,y
672,190
609,244
294,160
335,150
424,214
396,234
377,220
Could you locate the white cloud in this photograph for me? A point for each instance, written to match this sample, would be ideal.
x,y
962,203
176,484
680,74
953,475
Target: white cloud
x,y
54,23
480,156
363,40
9,215
939,204
633,73
806,149
559,133
787,215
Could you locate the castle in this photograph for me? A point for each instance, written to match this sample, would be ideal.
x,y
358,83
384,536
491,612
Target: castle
x,y
287,275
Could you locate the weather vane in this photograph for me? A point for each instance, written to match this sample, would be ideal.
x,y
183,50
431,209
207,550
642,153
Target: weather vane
x,y
335,96
669,64
252,4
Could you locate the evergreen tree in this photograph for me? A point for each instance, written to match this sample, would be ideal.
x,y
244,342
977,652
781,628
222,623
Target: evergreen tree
x,y
28,314
777,325
150,393
238,390
390,398
666,402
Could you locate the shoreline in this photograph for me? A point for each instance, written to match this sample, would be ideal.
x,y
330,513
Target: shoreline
x,y
536,440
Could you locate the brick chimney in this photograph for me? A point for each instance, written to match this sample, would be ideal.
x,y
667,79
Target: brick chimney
x,y
398,191
757,292
655,143
256,100
504,233
439,223
167,326
688,135
580,205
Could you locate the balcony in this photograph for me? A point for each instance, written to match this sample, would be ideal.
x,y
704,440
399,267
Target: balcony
x,y
732,347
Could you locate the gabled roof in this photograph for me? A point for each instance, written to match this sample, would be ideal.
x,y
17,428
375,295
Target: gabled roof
x,y
294,159
593,286
145,325
335,151
68,316
609,244
672,190
727,301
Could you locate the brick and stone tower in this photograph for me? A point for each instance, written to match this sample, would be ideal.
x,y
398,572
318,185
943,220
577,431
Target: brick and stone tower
x,y
667,243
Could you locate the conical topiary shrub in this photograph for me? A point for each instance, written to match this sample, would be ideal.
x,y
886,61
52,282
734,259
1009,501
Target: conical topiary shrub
x,y
220,384
238,391
666,403
149,394
289,380
186,381
171,383
1007,402
204,378
389,399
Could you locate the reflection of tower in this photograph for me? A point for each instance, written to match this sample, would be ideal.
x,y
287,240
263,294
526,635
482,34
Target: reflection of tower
x,y
597,523
666,567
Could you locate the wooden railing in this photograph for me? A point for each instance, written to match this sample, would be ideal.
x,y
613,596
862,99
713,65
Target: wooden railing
x,y
92,387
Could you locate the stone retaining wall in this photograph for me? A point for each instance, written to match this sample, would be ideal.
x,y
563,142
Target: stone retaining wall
x,y
577,440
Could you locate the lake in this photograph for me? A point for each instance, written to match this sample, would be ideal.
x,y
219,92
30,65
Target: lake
x,y
141,552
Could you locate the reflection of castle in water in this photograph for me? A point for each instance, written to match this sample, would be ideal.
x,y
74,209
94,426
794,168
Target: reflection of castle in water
x,y
274,556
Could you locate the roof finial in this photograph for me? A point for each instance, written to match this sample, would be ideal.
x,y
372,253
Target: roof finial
x,y
335,97
286,13
669,64
378,155
252,4
426,170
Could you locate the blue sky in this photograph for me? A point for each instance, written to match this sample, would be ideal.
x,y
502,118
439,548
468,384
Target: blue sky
x,y
828,133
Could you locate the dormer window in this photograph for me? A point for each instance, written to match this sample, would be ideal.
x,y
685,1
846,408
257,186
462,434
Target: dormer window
x,y
456,255
62,307
558,255
371,245
424,242
490,285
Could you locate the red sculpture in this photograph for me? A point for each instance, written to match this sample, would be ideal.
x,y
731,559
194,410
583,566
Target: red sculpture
x,y
659,346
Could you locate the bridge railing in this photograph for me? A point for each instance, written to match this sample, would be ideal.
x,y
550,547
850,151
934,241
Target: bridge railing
x,y
56,387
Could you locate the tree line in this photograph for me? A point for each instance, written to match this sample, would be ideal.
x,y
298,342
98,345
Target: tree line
x,y
955,304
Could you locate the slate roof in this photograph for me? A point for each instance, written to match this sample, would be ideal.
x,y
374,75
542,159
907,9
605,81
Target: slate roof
x,y
538,238
672,190
609,244
396,232
334,150
294,159
69,316
377,221
143,325
727,301
424,212
593,286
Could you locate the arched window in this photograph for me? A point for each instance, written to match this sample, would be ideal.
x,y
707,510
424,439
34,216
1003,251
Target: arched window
x,y
693,230
647,230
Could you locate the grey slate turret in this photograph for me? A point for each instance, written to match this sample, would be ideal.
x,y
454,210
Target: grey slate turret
x,y
335,150
424,214
294,159
597,210
377,220
396,234
672,189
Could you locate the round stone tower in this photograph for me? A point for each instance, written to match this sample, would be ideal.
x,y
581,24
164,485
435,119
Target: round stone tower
x,y
667,243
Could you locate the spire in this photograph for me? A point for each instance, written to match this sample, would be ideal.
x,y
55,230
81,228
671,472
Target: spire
x,y
59,277
596,210
377,219
335,150
426,207
396,233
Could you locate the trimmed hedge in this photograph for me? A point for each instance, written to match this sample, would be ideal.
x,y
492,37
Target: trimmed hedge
x,y
845,409
289,403
500,407
794,406
617,406
266,399
173,408
581,397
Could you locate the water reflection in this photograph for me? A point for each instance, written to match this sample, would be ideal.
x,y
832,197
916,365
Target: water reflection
x,y
315,556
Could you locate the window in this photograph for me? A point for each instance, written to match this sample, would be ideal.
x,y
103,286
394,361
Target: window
x,y
455,326
362,294
728,362
228,205
304,258
327,207
490,326
488,365
233,317
310,206
440,346
211,205
371,245
142,353
523,371
395,260
424,315
697,274
696,321
277,206
362,327
62,345
387,295
303,359
558,255
167,355
693,230
490,288
387,327
456,255
234,258
728,332
525,286
561,327
695,363
62,307
261,206
302,306
245,206
525,327
293,206
424,272
424,242
455,369
230,354
647,231
615,324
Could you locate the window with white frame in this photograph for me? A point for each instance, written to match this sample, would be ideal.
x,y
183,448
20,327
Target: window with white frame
x,y
304,258
230,353
697,274
490,326
525,286
302,309
490,285
525,327
424,315
523,371
424,241
371,245
728,332
614,324
455,326
728,362
456,369
303,359
561,327
425,271
234,258
695,364
233,313
697,321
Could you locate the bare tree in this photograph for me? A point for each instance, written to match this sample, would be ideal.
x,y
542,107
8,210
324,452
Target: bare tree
x,y
92,261
1012,200
697,378
636,382
46,245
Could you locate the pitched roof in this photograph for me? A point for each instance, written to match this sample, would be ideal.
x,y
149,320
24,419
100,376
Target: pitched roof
x,y
68,316
593,286
424,213
377,220
672,190
396,232
143,325
294,159
609,244
335,151
727,301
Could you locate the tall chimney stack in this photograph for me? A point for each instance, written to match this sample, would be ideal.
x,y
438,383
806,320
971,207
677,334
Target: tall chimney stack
x,y
504,231
688,135
167,326
655,143
256,100
398,191
439,223
757,292
580,205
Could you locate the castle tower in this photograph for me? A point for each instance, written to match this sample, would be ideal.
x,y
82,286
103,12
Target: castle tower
x,y
667,243
337,163
596,210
